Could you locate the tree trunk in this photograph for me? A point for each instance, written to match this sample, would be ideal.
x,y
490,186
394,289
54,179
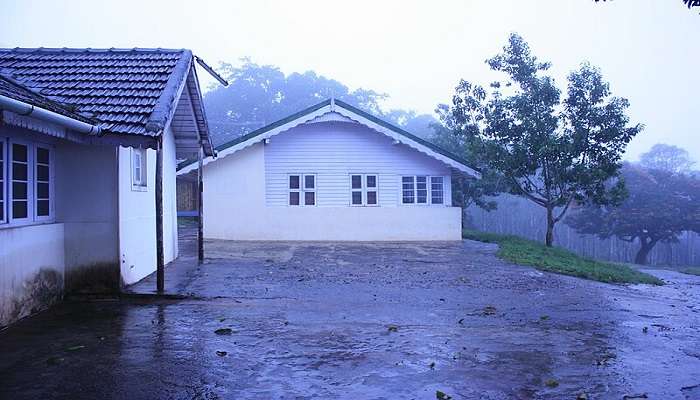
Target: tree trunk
x,y
643,252
549,239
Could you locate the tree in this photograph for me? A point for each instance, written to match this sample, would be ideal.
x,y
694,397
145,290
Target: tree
x,y
553,152
668,158
261,94
661,205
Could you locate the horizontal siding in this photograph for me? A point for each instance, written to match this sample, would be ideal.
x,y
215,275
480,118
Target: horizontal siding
x,y
334,150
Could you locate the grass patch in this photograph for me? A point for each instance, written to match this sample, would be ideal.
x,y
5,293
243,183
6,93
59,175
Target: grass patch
x,y
555,259
691,271
186,222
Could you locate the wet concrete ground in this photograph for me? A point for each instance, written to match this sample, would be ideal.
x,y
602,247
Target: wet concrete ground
x,y
362,321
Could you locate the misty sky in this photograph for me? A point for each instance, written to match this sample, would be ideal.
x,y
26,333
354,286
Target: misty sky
x,y
414,51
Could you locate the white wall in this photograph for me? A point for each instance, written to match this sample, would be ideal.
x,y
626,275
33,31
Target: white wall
x,y
137,215
245,194
334,150
86,203
31,269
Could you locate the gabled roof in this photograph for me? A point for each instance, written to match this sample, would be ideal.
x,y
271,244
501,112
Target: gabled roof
x,y
349,112
13,90
126,91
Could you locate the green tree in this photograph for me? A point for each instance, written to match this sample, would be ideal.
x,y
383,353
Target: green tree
x,y
554,152
661,205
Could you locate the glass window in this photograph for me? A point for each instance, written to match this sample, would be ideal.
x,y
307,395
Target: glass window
x,y
356,181
20,181
138,168
43,166
2,181
356,198
436,190
302,190
294,181
371,198
421,190
363,190
408,188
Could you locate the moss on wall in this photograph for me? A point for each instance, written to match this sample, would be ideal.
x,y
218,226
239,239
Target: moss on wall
x,y
37,293
94,278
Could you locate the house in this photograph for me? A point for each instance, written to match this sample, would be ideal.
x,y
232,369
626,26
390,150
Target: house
x,y
330,172
89,143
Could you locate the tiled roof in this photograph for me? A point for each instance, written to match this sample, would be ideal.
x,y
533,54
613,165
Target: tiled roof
x,y
13,90
122,89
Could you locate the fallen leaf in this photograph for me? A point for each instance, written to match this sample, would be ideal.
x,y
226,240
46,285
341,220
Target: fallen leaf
x,y
224,331
440,395
551,383
392,328
432,365
54,360
489,310
74,348
221,353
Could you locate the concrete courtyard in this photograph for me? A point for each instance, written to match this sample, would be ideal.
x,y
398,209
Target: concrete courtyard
x,y
362,321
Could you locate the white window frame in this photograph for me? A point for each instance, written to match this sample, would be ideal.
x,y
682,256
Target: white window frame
x,y
8,220
302,190
364,189
429,190
52,197
30,184
3,180
139,183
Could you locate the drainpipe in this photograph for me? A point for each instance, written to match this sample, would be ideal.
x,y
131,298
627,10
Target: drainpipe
x,y
22,108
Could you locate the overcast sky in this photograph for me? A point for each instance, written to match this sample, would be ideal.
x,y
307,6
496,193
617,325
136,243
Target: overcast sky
x,y
415,51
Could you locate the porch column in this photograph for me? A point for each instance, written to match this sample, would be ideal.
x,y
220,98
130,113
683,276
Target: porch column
x,y
200,221
160,254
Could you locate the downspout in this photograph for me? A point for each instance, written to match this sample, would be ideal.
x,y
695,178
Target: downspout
x,y
22,108
160,253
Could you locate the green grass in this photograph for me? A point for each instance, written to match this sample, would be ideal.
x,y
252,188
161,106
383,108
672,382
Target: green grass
x,y
555,259
691,271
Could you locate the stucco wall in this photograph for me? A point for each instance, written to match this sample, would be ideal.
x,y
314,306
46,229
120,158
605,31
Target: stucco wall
x,y
86,203
137,215
31,269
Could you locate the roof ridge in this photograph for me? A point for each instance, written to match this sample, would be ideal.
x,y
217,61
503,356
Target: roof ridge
x,y
91,50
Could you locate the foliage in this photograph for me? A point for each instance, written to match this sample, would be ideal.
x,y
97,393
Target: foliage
x,y
661,205
692,271
553,151
668,158
555,259
261,94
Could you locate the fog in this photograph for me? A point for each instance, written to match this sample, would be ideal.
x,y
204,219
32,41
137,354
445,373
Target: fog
x,y
414,51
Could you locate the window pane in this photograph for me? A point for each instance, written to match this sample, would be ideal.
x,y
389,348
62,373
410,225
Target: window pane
x,y
436,190
19,152
42,155
309,182
294,198
357,181
421,190
371,181
42,190
42,173
19,209
294,181
19,172
407,184
309,198
42,208
2,210
19,190
356,198
371,197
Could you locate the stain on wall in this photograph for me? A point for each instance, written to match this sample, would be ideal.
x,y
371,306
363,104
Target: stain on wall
x,y
94,278
37,293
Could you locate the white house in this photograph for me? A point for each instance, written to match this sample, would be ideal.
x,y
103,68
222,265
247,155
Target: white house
x,y
80,131
330,172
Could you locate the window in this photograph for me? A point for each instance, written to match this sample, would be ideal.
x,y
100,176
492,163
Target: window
x,y
43,183
139,177
363,190
422,190
436,190
26,182
307,191
20,181
408,189
2,181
